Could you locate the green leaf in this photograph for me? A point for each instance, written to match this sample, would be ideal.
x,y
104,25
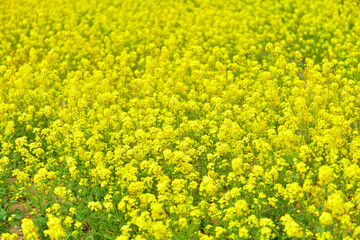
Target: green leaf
x,y
89,236
4,230
18,214
2,215
176,237
15,223
319,228
2,192
40,221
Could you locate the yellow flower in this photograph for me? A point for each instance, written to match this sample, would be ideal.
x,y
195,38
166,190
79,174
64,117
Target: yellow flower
x,y
182,223
207,185
160,231
9,236
78,224
61,192
335,203
68,221
241,207
326,175
219,231
352,172
29,229
243,232
265,233
157,211
237,165
292,228
356,232
95,206
326,218
72,210
166,114
122,237
55,230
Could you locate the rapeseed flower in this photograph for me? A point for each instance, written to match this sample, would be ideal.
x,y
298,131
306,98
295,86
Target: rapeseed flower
x,y
184,119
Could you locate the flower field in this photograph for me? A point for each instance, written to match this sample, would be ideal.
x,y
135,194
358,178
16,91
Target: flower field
x,y
188,119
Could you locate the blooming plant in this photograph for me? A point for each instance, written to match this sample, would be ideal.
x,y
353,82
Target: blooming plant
x,y
194,119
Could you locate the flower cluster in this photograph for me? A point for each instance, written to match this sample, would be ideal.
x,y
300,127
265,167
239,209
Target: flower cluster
x,y
197,119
